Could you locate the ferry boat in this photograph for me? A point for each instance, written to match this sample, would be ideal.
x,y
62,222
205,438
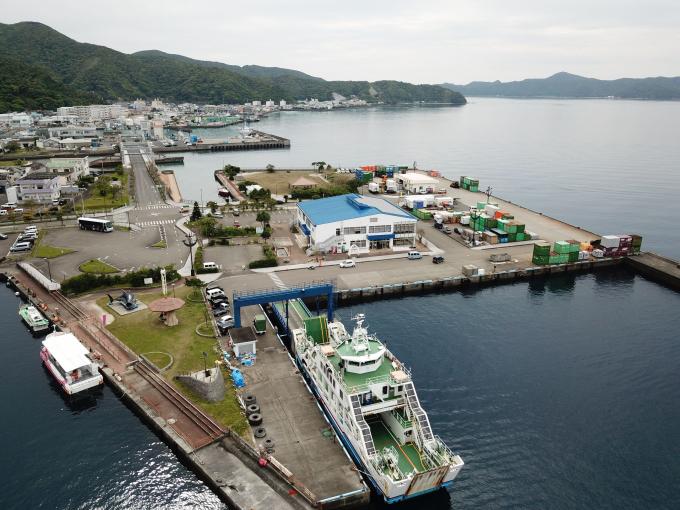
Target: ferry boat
x,y
369,396
33,318
70,363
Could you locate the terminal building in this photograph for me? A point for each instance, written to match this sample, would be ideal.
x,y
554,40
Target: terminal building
x,y
356,225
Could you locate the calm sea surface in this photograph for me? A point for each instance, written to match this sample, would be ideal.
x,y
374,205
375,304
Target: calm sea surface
x,y
559,394
610,166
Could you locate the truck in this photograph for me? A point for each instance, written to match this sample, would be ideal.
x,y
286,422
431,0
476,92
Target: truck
x,y
374,187
260,324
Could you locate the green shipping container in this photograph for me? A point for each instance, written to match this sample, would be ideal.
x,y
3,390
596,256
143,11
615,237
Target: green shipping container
x,y
474,188
540,260
520,236
520,227
573,257
564,258
260,324
561,247
542,249
512,237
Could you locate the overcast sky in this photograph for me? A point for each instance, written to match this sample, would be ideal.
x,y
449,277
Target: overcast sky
x,y
428,41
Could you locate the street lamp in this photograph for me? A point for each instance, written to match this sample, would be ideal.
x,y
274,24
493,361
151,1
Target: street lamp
x,y
190,242
49,268
205,364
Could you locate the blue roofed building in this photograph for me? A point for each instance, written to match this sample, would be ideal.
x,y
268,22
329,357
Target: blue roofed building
x,y
355,224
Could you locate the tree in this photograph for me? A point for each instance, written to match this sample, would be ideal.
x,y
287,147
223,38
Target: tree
x,y
263,217
196,213
270,168
231,171
103,185
212,206
12,146
320,165
266,233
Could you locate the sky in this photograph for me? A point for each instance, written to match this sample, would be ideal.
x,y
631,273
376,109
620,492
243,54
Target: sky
x,y
419,41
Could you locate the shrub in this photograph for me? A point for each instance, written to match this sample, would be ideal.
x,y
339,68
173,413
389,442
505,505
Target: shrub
x,y
86,282
256,264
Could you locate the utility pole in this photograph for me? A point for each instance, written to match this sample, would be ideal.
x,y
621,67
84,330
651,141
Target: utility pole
x,y
488,192
49,268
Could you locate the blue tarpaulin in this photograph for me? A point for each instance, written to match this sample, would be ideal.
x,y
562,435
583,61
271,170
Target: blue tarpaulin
x,y
379,237
237,377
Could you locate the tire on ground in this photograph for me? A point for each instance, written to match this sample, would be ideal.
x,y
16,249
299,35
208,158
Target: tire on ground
x,y
268,444
260,432
255,419
252,409
250,399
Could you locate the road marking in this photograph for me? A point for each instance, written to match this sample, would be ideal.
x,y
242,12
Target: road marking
x,y
277,281
154,223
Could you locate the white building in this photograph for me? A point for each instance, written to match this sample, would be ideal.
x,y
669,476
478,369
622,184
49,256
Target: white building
x,y
93,112
39,187
414,182
355,224
62,132
269,103
16,120
69,170
283,102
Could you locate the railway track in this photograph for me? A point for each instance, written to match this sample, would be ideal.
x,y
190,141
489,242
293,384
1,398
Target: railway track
x,y
211,429
69,306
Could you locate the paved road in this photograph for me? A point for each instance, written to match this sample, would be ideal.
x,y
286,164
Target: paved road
x,y
146,193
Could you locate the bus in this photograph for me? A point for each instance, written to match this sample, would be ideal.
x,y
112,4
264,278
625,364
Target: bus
x,y
98,224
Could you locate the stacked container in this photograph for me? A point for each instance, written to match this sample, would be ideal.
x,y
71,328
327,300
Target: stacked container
x,y
617,246
637,243
541,255
469,183
574,249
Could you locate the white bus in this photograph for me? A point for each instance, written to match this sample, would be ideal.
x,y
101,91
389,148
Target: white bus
x,y
98,224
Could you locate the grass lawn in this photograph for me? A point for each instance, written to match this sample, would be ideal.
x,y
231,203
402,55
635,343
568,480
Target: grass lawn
x,y
143,332
95,201
97,267
278,182
159,244
45,251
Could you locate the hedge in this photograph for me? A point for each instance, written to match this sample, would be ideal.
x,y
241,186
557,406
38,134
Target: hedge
x,y
86,282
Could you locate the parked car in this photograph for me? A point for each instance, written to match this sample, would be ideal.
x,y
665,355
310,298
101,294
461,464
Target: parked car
x,y
348,263
219,304
225,322
3,236
236,212
184,209
415,255
21,246
220,311
217,214
437,259
447,230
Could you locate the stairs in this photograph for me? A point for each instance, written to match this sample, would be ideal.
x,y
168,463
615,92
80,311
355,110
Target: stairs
x,y
331,241
418,413
363,426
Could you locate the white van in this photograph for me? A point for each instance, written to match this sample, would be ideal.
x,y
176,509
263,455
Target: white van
x,y
210,265
21,246
214,292
3,212
31,228
415,255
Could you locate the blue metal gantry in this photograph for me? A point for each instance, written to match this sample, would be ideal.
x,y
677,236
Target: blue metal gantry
x,y
301,291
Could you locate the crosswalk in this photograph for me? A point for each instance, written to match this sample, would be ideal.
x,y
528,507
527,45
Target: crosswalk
x,y
153,223
155,206
277,281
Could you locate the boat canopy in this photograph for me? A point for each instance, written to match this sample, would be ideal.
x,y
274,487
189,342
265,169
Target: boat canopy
x,y
67,351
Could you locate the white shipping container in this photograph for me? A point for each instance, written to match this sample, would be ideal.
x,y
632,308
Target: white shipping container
x,y
598,254
610,241
443,201
583,255
465,220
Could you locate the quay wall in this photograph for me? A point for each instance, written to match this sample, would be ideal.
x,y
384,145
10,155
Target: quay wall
x,y
658,268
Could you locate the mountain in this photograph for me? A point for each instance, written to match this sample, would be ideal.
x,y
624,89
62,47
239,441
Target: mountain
x,y
570,85
78,72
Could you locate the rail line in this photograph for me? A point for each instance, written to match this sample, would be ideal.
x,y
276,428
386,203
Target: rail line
x,y
69,306
211,429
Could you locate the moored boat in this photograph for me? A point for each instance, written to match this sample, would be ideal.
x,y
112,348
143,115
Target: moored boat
x,y
70,363
33,318
371,401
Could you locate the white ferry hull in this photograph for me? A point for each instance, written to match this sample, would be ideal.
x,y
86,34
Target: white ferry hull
x,y
389,497
70,388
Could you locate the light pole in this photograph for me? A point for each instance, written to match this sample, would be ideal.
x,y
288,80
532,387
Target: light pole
x,y
49,268
205,364
190,242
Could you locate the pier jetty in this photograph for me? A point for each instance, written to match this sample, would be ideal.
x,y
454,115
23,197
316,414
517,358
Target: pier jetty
x,y
256,140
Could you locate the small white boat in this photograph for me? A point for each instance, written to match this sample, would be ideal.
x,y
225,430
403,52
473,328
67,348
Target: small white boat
x,y
70,363
33,318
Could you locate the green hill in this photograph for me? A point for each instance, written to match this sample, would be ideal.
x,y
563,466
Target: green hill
x,y
78,72
573,86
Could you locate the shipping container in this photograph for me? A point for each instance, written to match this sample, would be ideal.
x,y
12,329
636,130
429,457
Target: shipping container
x,y
260,324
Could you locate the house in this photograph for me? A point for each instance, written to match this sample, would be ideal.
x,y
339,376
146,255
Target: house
x,y
39,187
414,182
62,132
355,224
68,169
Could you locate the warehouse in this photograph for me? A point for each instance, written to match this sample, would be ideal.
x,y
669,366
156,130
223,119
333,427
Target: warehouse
x,y
355,224
416,183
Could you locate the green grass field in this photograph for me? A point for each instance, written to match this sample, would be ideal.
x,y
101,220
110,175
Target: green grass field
x,y
97,267
144,332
